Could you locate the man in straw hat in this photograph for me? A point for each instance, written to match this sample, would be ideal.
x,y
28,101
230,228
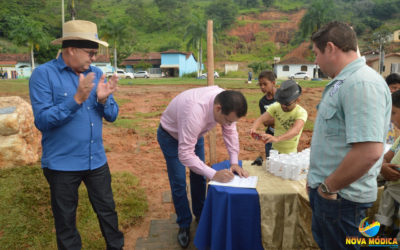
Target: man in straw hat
x,y
287,117
69,100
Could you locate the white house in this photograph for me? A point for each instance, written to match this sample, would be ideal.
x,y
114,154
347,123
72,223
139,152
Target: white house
x,y
13,66
292,65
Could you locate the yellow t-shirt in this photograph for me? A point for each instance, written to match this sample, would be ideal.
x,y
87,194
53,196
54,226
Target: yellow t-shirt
x,y
283,122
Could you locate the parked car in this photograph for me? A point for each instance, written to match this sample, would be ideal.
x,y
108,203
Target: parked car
x,y
300,75
141,74
204,75
121,74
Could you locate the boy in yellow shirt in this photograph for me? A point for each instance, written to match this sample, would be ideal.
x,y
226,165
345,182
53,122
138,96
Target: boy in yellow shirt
x,y
286,116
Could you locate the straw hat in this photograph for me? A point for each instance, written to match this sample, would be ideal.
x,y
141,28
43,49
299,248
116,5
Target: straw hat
x,y
79,30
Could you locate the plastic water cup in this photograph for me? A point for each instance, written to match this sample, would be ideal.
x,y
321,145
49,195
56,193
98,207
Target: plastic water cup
x,y
287,170
272,165
296,173
273,152
267,164
279,168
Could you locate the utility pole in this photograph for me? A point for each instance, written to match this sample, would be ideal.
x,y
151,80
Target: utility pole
x,y
73,12
210,81
381,55
62,16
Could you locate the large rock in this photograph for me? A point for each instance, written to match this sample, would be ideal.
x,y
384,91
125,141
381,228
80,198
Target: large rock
x,y
19,138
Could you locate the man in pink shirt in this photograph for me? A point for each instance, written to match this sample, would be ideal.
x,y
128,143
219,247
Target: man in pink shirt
x,y
187,118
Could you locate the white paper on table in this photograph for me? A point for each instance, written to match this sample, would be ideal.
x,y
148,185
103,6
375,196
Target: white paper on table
x,y
249,182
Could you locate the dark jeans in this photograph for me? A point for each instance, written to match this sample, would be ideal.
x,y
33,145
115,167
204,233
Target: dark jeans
x,y
177,178
333,220
64,201
268,147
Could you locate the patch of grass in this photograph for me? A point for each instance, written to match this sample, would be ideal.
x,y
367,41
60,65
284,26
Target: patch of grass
x,y
26,220
309,126
253,110
125,122
149,114
250,11
313,84
16,87
288,5
139,122
264,23
122,101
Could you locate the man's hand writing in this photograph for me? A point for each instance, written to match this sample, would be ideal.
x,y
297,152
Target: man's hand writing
x,y
223,176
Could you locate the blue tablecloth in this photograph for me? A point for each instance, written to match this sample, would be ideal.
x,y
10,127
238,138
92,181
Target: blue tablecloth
x,y
230,218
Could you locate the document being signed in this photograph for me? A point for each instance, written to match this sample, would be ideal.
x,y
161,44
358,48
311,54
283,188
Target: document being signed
x,y
249,182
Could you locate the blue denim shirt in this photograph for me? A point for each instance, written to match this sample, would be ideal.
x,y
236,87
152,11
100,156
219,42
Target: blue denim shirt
x,y
355,107
71,133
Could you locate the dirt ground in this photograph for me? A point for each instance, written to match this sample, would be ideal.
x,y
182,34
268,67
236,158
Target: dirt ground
x,y
130,150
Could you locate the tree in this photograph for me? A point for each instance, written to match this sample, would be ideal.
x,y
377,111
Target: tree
x,y
115,32
25,31
319,13
268,3
222,12
196,32
175,12
257,67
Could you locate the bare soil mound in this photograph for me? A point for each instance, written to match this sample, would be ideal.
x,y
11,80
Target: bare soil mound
x,y
279,25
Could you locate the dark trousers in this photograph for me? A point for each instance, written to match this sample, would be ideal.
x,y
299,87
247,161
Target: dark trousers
x,y
333,220
268,147
177,179
64,201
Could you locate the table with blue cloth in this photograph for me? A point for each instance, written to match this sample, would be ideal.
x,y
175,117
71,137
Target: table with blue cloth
x,y
276,215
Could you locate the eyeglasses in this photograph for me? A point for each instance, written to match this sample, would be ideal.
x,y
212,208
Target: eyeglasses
x,y
91,53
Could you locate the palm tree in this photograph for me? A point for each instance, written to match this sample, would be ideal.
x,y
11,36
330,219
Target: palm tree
x,y
115,32
196,31
26,31
319,13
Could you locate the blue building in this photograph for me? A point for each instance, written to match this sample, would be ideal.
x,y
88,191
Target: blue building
x,y
175,63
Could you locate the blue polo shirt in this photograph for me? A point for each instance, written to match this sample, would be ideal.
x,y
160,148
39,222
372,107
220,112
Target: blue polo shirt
x,y
71,133
355,107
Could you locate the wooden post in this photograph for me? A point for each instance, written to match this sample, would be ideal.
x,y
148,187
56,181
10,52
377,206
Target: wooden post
x,y
210,82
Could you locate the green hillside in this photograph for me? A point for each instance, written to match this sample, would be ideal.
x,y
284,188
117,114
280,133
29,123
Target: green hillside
x,y
159,25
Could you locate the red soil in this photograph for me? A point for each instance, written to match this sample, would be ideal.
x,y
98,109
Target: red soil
x,y
129,150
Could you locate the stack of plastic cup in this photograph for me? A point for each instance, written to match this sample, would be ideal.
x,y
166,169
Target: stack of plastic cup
x,y
292,166
272,156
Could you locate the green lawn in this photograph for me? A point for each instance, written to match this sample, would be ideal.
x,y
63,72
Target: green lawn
x,y
26,220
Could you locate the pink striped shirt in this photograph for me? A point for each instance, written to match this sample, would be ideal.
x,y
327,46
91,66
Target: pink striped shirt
x,y
188,117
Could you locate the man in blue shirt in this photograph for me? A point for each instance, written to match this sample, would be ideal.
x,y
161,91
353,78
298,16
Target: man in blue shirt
x,y
348,138
69,100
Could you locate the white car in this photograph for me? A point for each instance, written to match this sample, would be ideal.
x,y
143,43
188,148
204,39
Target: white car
x,y
121,74
204,75
141,74
299,75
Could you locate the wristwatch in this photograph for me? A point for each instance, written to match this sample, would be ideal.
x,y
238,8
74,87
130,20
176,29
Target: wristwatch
x,y
325,189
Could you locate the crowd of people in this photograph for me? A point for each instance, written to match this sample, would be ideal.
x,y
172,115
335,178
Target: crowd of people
x,y
70,98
